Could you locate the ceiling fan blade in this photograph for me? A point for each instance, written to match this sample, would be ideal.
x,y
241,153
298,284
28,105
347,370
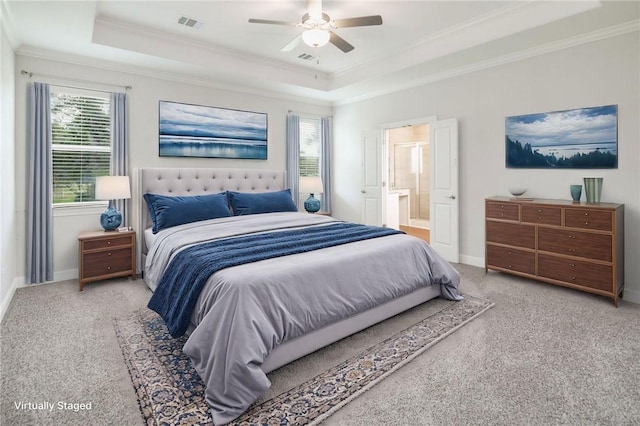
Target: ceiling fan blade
x,y
362,21
339,42
269,21
292,44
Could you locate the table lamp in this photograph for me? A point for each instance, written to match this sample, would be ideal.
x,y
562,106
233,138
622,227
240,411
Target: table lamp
x,y
311,185
112,188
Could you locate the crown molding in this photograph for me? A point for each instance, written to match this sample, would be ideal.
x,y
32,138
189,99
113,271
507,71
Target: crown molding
x,y
121,35
493,25
594,36
334,98
102,65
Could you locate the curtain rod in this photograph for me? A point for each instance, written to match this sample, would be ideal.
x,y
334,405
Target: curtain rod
x,y
31,74
308,114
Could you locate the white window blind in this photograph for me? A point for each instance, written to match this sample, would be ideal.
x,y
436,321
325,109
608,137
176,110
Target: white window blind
x,y
309,147
81,145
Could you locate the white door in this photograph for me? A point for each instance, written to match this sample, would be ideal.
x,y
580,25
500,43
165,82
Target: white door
x,y
443,137
371,191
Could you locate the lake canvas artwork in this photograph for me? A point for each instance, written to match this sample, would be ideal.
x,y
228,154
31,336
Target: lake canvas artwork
x,y
200,131
583,138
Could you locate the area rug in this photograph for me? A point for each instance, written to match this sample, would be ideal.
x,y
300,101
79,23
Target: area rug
x,y
169,390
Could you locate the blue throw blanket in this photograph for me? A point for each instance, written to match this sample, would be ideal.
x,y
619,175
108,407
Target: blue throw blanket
x,y
187,273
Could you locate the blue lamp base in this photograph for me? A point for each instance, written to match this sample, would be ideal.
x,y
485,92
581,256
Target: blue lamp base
x,y
110,219
312,204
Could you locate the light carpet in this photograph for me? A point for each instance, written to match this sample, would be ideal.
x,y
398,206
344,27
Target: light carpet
x,y
169,390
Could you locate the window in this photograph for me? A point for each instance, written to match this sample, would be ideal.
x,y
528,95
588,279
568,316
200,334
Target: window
x,y
81,144
309,147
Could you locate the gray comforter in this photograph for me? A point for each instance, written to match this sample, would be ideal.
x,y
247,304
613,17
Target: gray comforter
x,y
246,311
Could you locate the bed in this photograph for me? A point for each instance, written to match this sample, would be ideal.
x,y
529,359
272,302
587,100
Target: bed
x,y
308,280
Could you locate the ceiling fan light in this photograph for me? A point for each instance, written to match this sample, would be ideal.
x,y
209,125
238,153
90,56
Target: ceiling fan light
x,y
316,37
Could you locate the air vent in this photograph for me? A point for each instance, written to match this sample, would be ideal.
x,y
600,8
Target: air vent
x,y
305,56
190,22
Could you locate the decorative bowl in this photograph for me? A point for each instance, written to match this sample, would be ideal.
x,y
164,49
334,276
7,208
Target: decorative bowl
x,y
517,191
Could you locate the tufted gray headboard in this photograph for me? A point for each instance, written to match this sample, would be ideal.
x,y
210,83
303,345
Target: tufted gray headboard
x,y
199,181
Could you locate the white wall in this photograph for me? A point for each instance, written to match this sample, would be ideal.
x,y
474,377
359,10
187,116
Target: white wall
x,y
598,73
7,171
143,132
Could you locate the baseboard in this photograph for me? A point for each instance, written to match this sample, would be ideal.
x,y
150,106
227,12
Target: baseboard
x,y
632,296
472,260
70,274
8,298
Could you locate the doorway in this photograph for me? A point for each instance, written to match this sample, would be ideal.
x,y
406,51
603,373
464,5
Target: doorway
x,y
408,195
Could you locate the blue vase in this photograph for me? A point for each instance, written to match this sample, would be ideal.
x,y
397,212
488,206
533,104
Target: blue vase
x,y
312,204
110,219
576,192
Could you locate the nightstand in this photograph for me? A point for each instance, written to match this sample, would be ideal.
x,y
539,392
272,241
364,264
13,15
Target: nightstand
x,y
106,254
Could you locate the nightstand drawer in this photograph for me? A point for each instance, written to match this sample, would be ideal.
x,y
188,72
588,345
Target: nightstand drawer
x,y
106,243
107,262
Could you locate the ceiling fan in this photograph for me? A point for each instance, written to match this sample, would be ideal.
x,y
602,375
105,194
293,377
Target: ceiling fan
x,y
318,27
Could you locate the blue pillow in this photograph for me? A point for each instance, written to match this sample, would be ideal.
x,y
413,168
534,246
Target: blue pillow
x,y
243,203
168,211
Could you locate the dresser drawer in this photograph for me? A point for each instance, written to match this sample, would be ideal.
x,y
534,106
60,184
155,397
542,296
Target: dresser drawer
x,y
542,215
503,211
512,259
576,272
576,243
107,262
511,234
588,219
105,243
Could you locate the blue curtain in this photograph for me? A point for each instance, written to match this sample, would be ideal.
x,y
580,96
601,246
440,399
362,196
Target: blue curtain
x,y
39,191
120,147
325,161
293,155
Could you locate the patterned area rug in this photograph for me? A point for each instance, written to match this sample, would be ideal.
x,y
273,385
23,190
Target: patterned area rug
x,y
170,391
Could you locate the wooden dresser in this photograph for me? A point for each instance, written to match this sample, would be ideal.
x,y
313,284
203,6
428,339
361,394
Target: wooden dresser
x,y
577,245
106,254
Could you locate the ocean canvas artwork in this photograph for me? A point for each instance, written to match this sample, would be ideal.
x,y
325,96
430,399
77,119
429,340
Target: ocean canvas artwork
x,y
200,131
583,138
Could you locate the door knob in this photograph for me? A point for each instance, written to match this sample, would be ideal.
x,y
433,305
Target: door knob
x,y
453,197
363,191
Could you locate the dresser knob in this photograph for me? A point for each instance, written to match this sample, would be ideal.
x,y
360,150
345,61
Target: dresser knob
x,y
572,265
586,214
109,254
586,223
573,278
509,266
509,252
108,268
108,243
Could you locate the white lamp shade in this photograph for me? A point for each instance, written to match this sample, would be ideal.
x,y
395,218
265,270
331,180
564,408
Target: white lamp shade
x,y
316,37
112,187
311,185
